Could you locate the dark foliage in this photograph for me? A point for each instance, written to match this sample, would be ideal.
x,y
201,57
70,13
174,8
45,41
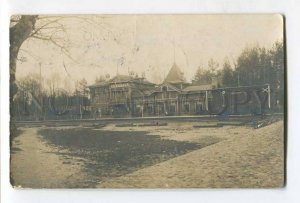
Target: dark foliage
x,y
110,154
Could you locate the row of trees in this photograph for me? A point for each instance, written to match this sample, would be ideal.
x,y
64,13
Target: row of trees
x,y
38,96
254,66
38,86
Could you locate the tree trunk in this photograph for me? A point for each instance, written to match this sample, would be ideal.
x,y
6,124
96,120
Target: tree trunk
x,y
18,34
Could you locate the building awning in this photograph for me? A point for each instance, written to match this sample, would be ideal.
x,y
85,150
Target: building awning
x,y
197,88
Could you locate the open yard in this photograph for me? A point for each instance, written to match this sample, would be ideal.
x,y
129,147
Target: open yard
x,y
173,156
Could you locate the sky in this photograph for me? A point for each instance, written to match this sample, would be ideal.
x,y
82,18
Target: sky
x,y
145,44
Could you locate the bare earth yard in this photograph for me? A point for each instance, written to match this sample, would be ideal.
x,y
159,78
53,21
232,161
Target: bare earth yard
x,y
173,156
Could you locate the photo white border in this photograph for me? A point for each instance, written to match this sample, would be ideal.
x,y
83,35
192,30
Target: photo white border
x,y
289,8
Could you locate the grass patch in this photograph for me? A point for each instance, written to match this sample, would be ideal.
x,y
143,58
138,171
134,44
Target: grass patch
x,y
110,154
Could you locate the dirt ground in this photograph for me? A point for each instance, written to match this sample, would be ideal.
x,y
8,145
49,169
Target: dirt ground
x,y
34,164
174,156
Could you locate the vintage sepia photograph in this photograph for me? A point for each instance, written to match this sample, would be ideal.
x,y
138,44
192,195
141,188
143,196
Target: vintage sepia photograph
x,y
147,101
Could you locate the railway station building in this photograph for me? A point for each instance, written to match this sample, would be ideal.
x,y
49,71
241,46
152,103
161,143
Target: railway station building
x,y
128,96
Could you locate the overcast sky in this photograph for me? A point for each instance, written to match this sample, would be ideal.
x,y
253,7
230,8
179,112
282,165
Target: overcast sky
x,y
147,44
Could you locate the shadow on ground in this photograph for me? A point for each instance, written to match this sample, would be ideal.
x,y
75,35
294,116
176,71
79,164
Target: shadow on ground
x,y
13,134
109,154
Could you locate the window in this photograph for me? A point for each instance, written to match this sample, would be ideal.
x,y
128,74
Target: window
x,y
199,107
150,108
186,107
172,108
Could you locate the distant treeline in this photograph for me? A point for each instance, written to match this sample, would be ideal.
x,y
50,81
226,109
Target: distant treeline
x,y
254,66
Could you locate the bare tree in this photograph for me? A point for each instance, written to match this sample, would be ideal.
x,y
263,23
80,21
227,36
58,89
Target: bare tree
x,y
27,27
52,30
21,28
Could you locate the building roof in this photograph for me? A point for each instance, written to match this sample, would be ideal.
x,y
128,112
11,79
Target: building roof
x,y
99,84
165,84
175,75
141,92
123,79
197,88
